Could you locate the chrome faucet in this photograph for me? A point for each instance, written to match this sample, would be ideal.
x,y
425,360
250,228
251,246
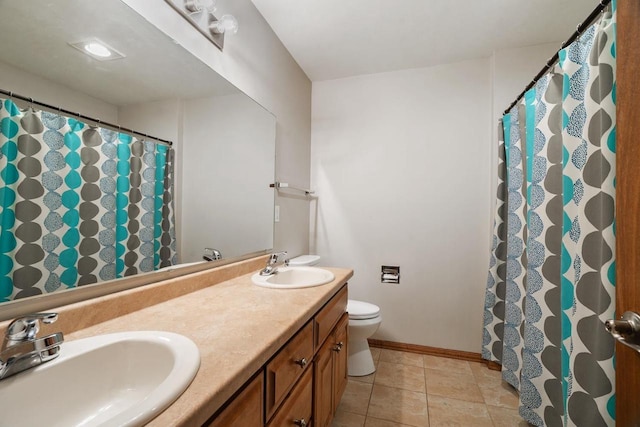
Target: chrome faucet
x,y
211,254
22,349
274,261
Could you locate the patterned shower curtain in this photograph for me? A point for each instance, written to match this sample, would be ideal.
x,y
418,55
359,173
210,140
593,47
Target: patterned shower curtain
x,y
78,203
551,282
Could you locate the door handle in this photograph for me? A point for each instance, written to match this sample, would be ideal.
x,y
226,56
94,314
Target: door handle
x,y
626,330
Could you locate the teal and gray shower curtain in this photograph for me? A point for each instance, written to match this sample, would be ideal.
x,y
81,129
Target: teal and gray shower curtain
x,y
78,203
551,282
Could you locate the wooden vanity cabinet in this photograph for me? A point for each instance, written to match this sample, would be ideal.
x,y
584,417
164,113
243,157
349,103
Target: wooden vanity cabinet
x,y
297,409
303,382
287,366
330,373
328,316
245,410
341,361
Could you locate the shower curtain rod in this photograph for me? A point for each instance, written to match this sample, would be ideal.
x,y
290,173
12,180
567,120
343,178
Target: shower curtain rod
x,y
81,116
551,62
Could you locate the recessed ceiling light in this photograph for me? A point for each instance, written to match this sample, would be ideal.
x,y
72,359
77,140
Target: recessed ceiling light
x,y
97,49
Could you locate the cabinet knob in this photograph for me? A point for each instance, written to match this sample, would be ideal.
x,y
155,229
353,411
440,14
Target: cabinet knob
x,y
302,362
338,347
300,423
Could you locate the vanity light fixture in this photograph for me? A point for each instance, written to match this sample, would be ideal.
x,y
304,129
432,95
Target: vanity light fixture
x,y
97,49
227,24
196,6
200,14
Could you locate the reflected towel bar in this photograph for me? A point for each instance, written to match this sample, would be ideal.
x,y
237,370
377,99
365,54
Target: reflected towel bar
x,y
278,185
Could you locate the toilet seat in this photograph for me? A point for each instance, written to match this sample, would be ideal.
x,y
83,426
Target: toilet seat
x,y
360,310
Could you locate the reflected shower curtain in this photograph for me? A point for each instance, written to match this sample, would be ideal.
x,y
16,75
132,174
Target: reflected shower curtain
x,y
79,203
551,282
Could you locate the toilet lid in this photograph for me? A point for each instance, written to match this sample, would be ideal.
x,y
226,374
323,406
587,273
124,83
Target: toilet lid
x,y
359,310
304,260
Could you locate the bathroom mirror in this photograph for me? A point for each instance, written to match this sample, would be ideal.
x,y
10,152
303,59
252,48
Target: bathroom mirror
x,y
224,141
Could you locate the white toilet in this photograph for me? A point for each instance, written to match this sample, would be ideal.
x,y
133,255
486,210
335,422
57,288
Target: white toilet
x,y
364,320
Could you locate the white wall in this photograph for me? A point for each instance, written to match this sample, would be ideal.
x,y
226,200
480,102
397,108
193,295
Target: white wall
x,y
27,84
257,63
404,166
400,162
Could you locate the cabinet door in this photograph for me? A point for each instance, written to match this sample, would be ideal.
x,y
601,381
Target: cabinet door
x,y
341,354
297,407
323,385
245,410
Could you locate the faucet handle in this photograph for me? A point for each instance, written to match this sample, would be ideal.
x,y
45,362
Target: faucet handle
x,y
25,328
276,256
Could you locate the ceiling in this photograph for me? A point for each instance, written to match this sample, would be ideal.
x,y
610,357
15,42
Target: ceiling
x,y
340,38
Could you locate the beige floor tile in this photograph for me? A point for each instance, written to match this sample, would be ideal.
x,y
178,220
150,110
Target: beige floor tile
x,y
406,377
503,417
447,364
375,353
480,371
453,385
364,379
494,389
400,406
374,422
402,357
347,419
356,398
499,394
457,413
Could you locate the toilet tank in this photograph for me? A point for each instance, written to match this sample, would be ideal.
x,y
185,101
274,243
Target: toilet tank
x,y
304,260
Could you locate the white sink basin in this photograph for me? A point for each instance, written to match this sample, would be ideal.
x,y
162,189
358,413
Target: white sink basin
x,y
294,277
122,379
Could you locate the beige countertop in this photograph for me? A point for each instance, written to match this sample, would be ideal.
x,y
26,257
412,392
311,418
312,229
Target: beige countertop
x,y
236,325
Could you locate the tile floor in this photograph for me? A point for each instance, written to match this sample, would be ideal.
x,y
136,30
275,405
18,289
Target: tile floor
x,y
411,389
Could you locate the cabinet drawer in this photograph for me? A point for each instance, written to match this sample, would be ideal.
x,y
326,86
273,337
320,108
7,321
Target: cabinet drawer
x,y
245,410
287,366
297,409
328,316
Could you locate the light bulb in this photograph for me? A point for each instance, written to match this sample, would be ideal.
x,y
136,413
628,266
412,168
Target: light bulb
x,y
193,6
210,5
97,49
226,24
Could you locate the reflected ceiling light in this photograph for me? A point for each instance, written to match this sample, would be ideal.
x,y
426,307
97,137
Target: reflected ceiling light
x,y
97,49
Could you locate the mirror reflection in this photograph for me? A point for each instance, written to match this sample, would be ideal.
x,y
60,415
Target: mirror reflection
x,y
84,202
